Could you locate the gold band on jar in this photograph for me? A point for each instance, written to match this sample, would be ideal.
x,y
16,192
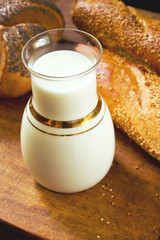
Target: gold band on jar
x,y
66,124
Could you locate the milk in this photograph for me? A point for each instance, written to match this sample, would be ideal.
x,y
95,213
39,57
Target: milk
x,y
68,94
62,63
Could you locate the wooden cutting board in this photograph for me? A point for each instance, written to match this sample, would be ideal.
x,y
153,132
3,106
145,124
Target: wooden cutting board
x,y
125,205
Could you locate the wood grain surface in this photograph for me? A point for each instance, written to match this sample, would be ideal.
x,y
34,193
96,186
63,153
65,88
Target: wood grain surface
x,y
125,205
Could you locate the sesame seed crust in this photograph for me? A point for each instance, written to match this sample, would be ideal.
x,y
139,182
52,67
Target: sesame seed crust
x,y
119,26
136,87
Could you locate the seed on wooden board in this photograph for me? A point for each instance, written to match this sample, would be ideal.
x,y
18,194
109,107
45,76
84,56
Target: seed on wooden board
x,y
108,222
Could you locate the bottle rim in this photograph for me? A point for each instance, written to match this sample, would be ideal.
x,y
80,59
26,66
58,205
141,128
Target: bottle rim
x,y
52,78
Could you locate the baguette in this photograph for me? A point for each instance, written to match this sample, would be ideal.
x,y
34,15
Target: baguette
x,y
118,26
132,93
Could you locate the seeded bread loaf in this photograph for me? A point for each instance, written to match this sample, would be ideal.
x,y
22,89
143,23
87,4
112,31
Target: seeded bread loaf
x,y
118,26
20,20
14,77
42,12
132,92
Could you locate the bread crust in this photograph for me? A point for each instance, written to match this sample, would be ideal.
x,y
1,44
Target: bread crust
x,y
20,20
2,55
131,91
118,26
15,78
42,12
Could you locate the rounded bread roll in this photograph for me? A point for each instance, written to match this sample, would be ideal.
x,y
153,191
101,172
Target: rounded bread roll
x,y
21,20
14,77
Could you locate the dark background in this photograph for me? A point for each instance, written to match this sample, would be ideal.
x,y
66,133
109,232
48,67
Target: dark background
x,y
151,5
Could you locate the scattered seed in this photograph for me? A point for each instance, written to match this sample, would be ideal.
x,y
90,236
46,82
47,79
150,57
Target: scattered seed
x,y
129,214
157,195
102,219
113,203
102,186
103,194
112,196
110,189
108,222
98,236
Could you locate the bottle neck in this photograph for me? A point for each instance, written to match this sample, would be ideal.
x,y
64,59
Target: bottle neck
x,y
65,100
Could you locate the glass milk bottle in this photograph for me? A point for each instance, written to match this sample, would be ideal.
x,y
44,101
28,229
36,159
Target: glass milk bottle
x,y
67,134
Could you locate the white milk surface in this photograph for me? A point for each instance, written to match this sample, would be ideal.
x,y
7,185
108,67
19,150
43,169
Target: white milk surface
x,y
64,97
62,63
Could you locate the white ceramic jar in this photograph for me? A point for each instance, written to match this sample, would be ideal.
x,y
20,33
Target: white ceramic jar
x,y
67,134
